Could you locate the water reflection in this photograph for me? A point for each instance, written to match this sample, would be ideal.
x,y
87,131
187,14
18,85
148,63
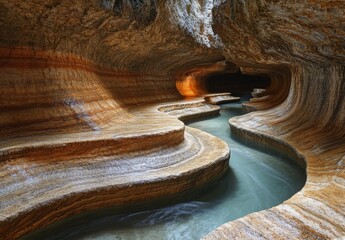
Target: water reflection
x,y
258,179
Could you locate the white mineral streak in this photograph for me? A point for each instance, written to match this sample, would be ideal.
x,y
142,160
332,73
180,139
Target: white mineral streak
x,y
196,18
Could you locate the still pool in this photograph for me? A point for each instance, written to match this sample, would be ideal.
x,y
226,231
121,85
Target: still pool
x,y
258,179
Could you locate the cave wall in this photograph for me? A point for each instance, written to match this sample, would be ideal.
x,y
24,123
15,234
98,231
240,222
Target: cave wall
x,y
272,36
81,86
306,38
276,38
69,67
193,83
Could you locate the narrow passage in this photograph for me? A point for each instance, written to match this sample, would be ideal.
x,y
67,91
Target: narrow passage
x,y
258,179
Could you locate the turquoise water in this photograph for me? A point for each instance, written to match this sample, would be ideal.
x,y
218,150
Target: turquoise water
x,y
258,179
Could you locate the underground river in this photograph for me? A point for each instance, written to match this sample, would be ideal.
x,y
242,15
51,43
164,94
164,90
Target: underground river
x,y
258,179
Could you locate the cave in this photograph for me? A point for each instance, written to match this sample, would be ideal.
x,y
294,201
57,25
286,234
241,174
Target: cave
x,y
237,83
153,119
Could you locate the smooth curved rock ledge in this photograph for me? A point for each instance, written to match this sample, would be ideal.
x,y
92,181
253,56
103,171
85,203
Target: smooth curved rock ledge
x,y
316,212
299,45
38,189
190,110
258,92
219,98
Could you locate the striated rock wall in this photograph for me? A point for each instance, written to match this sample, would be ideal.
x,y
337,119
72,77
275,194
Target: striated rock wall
x,y
74,73
192,83
307,39
70,67
275,93
270,36
76,131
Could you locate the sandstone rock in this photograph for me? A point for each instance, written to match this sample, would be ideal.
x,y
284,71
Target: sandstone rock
x,y
307,39
80,82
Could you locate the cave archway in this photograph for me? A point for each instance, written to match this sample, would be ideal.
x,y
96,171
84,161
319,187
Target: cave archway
x,y
238,84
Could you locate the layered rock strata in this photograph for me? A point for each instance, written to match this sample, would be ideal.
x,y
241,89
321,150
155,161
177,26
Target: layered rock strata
x,y
275,93
318,210
176,159
73,73
308,124
77,132
219,98
190,109
192,83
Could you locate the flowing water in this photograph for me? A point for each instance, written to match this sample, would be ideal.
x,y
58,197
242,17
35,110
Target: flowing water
x,y
258,179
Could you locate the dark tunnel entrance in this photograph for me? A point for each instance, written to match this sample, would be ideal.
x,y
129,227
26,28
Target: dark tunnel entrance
x,y
237,83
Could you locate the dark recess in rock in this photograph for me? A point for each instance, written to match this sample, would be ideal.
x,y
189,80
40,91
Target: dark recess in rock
x,y
236,83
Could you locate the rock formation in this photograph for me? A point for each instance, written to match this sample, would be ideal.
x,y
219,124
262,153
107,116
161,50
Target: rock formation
x,y
73,134
83,86
307,39
219,98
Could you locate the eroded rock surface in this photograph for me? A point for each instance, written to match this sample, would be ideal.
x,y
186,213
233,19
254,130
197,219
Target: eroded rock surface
x,y
77,77
307,39
76,80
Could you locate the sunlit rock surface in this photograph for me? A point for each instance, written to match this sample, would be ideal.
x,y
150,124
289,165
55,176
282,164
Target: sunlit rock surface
x,y
80,84
77,132
192,83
